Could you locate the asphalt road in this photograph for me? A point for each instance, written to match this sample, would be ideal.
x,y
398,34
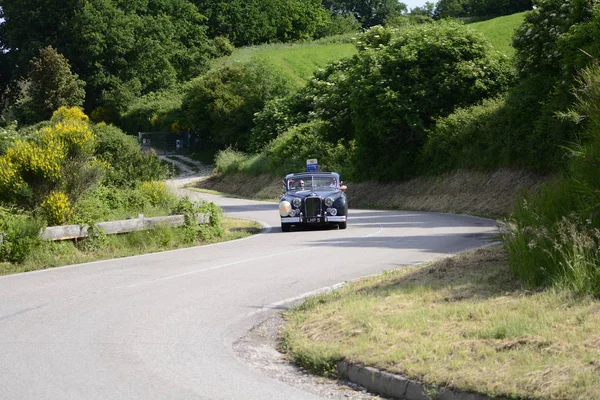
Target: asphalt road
x,y
161,326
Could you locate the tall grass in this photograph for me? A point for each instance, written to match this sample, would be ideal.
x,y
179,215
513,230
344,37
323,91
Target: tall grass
x,y
554,238
230,161
298,61
499,31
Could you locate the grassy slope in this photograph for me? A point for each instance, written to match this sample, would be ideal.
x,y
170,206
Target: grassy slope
x,y
499,31
299,61
463,322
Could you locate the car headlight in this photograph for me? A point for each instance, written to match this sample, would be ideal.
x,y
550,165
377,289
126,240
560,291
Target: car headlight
x,y
332,211
297,202
328,202
284,208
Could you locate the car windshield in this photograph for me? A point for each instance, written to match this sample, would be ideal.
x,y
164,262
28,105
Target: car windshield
x,y
311,182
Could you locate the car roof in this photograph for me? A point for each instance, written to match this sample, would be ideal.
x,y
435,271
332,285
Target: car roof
x,y
318,173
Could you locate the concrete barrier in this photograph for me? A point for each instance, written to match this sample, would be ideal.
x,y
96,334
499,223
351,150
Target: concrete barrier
x,y
66,232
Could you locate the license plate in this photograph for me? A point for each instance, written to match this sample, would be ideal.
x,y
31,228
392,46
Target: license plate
x,y
313,220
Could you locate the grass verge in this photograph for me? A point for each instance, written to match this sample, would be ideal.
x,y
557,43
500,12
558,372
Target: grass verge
x,y
461,322
55,254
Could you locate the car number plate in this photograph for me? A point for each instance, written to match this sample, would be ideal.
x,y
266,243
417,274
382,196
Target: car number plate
x,y
313,220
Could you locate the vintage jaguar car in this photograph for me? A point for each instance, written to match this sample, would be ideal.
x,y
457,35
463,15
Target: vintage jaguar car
x,y
313,199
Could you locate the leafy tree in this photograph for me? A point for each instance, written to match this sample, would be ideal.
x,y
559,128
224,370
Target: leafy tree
x,y
558,38
479,9
248,22
427,10
120,49
368,12
50,85
222,104
450,9
424,73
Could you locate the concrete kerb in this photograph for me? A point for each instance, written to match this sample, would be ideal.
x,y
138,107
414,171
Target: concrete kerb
x,y
399,387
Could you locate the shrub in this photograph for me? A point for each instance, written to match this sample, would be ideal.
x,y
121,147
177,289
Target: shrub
x,y
229,161
48,159
222,104
56,208
8,137
127,164
21,235
554,237
463,139
289,152
157,193
194,231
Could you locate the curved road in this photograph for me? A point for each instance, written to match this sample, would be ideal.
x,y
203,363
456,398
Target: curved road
x,y
161,326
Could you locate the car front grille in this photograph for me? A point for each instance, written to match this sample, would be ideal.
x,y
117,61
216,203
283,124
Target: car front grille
x,y
312,206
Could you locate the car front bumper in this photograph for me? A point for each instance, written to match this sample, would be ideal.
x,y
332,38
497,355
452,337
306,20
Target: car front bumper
x,y
326,219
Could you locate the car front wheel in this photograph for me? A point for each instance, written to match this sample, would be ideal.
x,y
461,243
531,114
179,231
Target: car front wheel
x,y
342,225
285,227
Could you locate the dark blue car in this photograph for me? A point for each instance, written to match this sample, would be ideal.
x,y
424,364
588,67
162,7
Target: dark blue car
x,y
313,199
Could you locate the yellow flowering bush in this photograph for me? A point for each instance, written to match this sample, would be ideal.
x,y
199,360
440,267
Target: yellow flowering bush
x,y
69,114
53,157
10,181
156,192
29,160
56,208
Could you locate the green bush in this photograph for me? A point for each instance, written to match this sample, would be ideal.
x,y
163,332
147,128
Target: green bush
x,y
127,164
229,161
289,152
554,238
222,104
193,231
8,136
515,130
20,235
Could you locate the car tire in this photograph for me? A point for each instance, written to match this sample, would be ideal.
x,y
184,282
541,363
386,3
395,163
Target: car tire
x,y
343,225
285,227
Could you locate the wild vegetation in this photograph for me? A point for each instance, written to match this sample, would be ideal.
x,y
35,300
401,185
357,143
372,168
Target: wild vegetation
x,y
68,170
384,95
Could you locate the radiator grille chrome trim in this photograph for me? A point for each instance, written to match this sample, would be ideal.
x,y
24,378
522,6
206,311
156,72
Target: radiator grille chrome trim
x,y
312,206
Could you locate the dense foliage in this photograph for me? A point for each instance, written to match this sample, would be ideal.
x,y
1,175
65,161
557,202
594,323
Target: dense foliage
x,y
247,22
557,39
369,13
479,9
48,85
384,98
221,105
120,49
554,238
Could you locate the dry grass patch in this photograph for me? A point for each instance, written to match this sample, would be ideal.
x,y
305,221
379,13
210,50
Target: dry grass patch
x,y
261,187
479,193
462,322
490,194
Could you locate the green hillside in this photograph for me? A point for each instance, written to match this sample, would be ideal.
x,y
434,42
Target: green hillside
x,y
298,60
499,31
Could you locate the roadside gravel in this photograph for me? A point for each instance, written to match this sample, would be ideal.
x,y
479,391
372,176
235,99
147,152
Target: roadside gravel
x,y
258,349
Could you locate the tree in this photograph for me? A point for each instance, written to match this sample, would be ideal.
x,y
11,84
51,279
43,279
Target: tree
x,y
368,12
221,105
248,22
50,84
133,47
